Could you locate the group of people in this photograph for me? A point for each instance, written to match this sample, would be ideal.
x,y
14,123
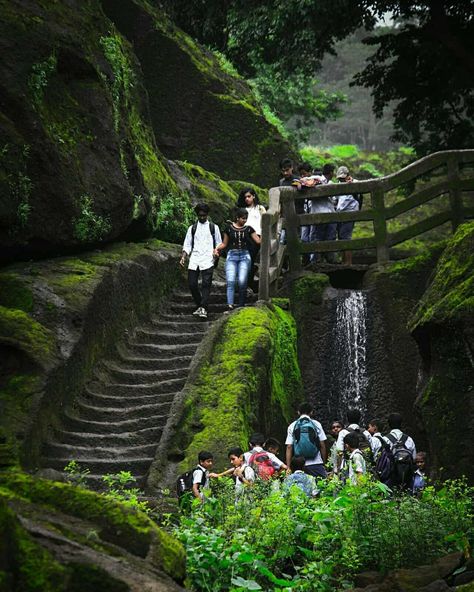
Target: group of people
x,y
204,245
352,453
306,178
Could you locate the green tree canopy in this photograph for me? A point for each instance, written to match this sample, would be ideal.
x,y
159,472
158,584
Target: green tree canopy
x,y
425,64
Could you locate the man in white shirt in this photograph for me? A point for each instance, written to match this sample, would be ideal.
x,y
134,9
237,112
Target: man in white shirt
x,y
314,465
199,244
323,205
396,434
356,462
353,418
256,445
376,437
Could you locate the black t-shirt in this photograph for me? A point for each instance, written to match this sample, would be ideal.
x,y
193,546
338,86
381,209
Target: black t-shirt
x,y
239,238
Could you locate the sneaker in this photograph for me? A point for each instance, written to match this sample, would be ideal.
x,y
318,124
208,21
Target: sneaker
x,y
203,314
198,311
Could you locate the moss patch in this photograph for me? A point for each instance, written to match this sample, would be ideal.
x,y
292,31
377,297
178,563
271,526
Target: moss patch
x,y
252,381
14,293
307,290
450,296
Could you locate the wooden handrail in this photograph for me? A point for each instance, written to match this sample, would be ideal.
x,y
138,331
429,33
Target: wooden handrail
x,y
282,213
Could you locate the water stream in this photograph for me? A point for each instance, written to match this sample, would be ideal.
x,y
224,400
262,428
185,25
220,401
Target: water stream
x,y
349,380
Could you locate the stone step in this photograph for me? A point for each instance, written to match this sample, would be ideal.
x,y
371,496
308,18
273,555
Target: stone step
x,y
93,413
159,324
188,308
166,350
215,297
118,389
101,466
69,452
121,375
76,424
154,363
100,400
157,337
136,438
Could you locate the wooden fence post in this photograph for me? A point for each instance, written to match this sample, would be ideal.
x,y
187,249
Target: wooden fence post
x,y
380,225
264,276
292,233
455,197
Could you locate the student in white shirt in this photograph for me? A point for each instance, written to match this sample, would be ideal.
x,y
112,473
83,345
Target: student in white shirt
x,y
376,437
200,250
256,445
356,462
396,434
201,474
242,473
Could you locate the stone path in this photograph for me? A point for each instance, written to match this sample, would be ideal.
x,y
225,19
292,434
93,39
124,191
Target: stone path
x,y
117,422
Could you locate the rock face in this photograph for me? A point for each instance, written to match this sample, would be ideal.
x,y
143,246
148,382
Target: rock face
x,y
442,325
60,538
78,157
199,113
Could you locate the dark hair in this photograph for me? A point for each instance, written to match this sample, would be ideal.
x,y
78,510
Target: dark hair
x,y
328,168
205,455
202,207
351,439
297,463
337,421
353,415
395,421
241,201
305,408
286,163
273,442
305,166
375,422
240,213
235,452
257,439
423,454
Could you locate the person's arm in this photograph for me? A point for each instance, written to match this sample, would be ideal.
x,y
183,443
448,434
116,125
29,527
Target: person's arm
x,y
323,449
240,474
256,239
186,247
223,245
289,454
223,474
196,491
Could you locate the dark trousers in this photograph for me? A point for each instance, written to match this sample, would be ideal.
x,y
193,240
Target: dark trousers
x,y
200,297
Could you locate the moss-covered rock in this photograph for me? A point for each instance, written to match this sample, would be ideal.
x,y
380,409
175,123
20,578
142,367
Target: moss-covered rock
x,y
78,160
442,325
200,113
57,318
86,541
248,380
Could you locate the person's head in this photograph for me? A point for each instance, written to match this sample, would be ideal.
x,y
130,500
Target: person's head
x,y
395,421
272,445
247,198
342,173
205,459
305,408
328,171
353,416
297,463
351,441
336,427
286,168
256,439
236,456
374,426
202,211
240,216
304,169
420,460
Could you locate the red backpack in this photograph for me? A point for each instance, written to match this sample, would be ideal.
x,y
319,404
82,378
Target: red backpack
x,y
262,465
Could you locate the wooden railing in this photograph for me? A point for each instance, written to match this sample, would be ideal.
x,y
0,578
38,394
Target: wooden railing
x,y
282,213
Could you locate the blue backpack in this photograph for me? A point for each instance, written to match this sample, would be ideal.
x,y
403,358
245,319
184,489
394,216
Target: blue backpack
x,y
301,480
306,439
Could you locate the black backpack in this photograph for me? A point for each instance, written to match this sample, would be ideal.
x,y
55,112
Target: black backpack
x,y
212,230
184,483
403,464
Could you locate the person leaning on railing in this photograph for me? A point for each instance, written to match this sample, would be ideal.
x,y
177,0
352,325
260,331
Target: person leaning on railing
x,y
346,203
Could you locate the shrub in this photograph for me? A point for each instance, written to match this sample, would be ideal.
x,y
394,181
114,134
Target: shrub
x,y
173,217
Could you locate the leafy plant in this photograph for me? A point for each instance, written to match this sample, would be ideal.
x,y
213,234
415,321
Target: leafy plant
x,y
120,488
89,226
173,217
40,74
76,474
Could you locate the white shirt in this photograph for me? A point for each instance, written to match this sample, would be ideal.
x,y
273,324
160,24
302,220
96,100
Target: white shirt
x,y
343,433
249,474
276,462
376,444
202,479
347,203
255,218
201,256
409,444
318,459
321,205
356,465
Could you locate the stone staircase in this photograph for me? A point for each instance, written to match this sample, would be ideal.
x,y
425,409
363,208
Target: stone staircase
x,y
117,422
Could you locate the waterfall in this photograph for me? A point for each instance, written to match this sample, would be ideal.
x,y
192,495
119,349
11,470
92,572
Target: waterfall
x,y
349,353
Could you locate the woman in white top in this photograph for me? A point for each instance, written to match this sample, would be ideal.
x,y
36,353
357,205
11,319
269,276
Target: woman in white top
x,y
248,199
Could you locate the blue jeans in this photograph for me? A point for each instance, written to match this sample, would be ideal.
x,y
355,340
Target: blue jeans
x,y
237,267
323,232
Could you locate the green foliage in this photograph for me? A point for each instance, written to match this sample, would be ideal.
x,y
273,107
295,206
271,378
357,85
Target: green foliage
x,y
273,539
14,169
76,474
40,74
119,488
173,218
89,226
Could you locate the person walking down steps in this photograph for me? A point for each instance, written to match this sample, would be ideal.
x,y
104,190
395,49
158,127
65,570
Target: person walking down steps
x,y
199,245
